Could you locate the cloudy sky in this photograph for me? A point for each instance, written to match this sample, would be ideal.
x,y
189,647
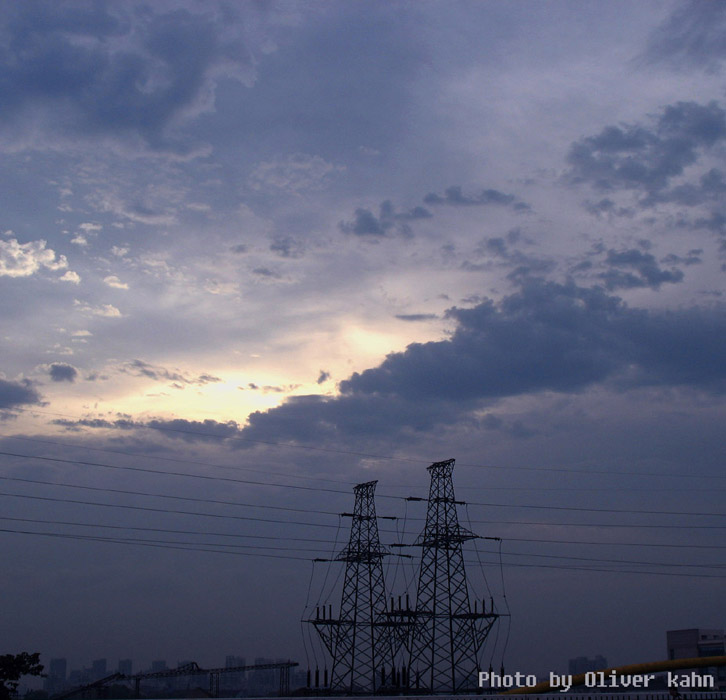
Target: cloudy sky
x,y
252,254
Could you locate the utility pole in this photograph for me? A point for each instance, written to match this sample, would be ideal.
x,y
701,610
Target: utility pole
x,y
447,634
359,640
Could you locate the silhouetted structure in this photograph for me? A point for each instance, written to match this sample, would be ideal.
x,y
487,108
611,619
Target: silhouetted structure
x,y
358,640
447,633
97,689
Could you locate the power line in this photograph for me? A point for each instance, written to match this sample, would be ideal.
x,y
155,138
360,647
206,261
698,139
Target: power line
x,y
165,530
327,490
611,561
237,438
163,510
165,473
618,544
175,459
600,525
329,542
597,510
163,495
147,543
352,483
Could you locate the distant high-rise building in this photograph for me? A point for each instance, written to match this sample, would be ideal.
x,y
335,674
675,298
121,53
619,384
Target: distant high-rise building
x,y
232,661
182,682
693,643
696,643
58,668
56,678
124,666
584,665
262,682
78,677
98,669
235,680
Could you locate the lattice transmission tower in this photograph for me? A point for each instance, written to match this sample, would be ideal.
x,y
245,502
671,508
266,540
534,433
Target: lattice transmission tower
x,y
359,640
447,634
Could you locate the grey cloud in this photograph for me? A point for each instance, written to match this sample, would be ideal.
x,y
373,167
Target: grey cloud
x,y
711,187
522,264
639,158
62,372
58,62
693,36
332,61
365,223
287,247
272,389
319,418
607,207
17,393
645,271
582,266
716,223
454,196
139,368
265,272
527,266
546,337
693,257
416,317
323,377
188,430
494,246
191,430
553,337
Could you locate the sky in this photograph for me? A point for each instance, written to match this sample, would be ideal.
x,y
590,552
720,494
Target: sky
x,y
253,254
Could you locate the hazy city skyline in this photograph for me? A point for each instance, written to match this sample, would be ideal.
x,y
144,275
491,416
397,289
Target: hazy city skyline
x,y
253,254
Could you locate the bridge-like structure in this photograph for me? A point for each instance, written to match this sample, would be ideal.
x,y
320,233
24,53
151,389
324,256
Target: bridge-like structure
x,y
99,688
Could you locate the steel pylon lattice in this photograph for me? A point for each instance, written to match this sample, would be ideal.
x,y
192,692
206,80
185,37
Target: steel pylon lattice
x,y
359,640
447,634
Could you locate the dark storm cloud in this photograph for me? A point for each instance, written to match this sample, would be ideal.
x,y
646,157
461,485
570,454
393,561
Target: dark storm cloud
x,y
632,269
546,337
139,368
455,197
319,418
647,158
61,372
59,62
693,36
17,393
365,223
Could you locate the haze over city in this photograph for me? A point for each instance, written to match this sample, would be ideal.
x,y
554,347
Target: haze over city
x,y
253,254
